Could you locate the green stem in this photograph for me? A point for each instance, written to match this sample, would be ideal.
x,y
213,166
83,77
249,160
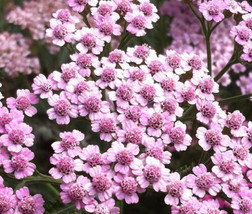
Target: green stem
x,y
190,111
194,12
2,20
70,48
40,178
209,56
236,98
52,189
86,21
121,207
125,40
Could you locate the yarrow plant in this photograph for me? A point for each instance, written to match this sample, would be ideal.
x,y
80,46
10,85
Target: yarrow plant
x,y
149,112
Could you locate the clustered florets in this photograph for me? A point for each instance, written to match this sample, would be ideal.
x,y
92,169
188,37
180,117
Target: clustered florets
x,y
135,100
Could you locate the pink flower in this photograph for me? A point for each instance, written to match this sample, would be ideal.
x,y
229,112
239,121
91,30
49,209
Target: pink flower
x,y
101,183
131,133
225,166
92,157
107,28
139,54
123,95
6,117
65,167
126,187
105,8
109,76
233,187
247,52
185,92
93,106
193,206
42,86
212,138
211,206
70,143
131,114
149,10
177,135
62,109
29,204
77,191
203,182
123,156
69,71
174,62
176,190
106,126
18,134
234,121
107,206
156,149
64,15
247,139
19,164
137,23
213,10
79,87
8,201
209,112
79,5
151,172
242,34
60,33
23,102
242,203
85,62
89,41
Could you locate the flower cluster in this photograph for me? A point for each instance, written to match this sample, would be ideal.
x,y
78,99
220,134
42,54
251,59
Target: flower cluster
x,y
135,100
20,202
16,55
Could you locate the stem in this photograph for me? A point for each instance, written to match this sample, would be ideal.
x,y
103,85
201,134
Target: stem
x,y
188,112
209,56
194,12
40,178
86,21
70,48
121,207
2,21
236,98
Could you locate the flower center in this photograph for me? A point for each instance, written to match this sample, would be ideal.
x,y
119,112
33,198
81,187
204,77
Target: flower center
x,y
169,105
175,189
138,22
133,136
226,166
5,119
115,57
88,41
77,192
60,31
104,9
106,28
65,165
173,61
124,92
243,34
101,209
155,152
107,125
129,185
101,183
69,142
213,137
19,163
80,87
177,135
68,74
148,93
208,110
156,121
94,159
124,157
27,205
64,15
22,103
168,84
4,203
137,74
84,61
133,113
17,136
206,86
93,104
108,75
204,181
213,10
142,52
188,94
240,152
152,173
245,205
146,8
155,66
62,108
195,63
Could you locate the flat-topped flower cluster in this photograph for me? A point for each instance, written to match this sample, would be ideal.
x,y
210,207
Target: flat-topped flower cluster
x,y
141,104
